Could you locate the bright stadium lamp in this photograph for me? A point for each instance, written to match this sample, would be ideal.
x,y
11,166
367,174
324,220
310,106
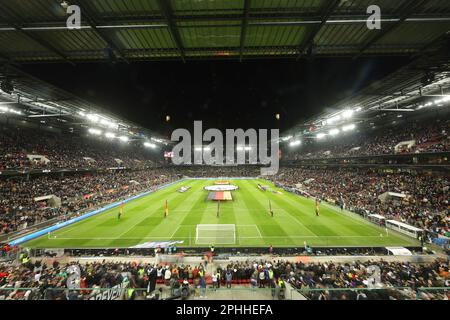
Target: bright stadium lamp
x,y
349,127
93,118
95,131
123,138
347,114
149,145
295,143
321,135
333,132
333,119
110,135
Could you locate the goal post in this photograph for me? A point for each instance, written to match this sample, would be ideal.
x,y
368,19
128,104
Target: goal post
x,y
208,234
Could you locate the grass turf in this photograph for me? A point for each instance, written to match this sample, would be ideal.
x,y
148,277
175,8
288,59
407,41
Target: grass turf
x,y
294,221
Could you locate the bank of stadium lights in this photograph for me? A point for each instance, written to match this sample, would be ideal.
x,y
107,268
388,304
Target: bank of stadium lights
x,y
156,140
437,102
344,115
94,118
94,131
149,145
284,139
349,127
110,135
347,114
334,132
9,110
295,143
321,135
124,139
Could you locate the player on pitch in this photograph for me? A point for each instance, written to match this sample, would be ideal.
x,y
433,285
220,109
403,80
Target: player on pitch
x,y
119,215
317,207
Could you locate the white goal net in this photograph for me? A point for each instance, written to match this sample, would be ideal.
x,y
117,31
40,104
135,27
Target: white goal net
x,y
215,234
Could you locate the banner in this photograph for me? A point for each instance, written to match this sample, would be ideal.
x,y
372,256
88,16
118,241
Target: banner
x,y
158,244
113,293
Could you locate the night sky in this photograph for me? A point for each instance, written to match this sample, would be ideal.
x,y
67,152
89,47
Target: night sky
x,y
224,94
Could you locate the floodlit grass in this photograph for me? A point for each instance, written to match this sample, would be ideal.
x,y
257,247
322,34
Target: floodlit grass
x,y
293,224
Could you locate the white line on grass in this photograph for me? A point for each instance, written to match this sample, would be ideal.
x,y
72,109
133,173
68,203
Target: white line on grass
x,y
259,237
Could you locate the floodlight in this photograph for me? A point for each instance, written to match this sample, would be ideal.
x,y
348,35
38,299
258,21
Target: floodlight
x,y
348,127
321,135
123,138
149,145
347,114
334,119
334,132
295,143
92,117
95,131
110,135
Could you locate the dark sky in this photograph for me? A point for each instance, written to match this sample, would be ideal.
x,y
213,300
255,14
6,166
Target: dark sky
x,y
224,94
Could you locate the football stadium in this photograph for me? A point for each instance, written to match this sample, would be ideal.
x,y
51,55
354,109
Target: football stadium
x,y
224,150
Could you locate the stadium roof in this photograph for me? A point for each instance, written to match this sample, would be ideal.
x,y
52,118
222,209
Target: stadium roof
x,y
422,84
35,30
39,101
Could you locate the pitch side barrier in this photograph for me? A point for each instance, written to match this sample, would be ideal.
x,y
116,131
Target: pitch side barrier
x,y
42,232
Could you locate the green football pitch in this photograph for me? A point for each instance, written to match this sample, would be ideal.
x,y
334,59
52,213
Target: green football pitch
x,y
294,222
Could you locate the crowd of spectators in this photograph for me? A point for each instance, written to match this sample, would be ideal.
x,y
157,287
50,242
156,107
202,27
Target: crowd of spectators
x,y
327,278
20,148
77,192
429,137
395,280
426,204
